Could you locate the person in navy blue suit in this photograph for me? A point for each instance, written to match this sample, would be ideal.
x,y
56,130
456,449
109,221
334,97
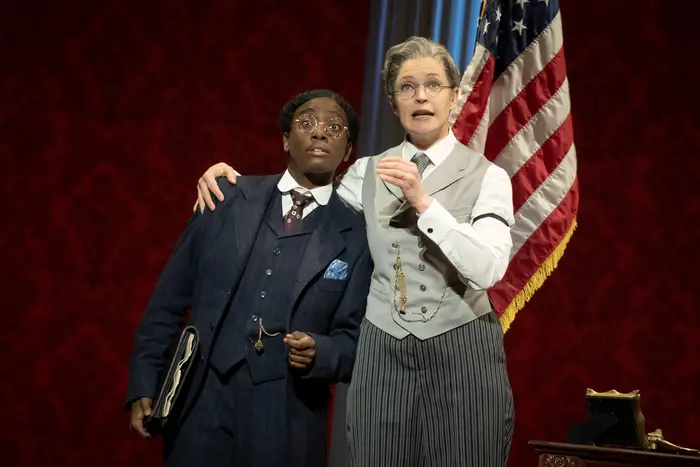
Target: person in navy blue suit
x,y
276,278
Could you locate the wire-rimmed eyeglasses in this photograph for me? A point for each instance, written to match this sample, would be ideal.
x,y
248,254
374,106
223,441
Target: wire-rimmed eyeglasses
x,y
408,90
334,127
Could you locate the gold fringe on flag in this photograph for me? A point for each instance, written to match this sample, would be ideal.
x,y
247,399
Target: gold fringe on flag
x,y
537,279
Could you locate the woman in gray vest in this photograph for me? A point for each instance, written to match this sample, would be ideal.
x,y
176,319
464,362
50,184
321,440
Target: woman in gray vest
x,y
430,386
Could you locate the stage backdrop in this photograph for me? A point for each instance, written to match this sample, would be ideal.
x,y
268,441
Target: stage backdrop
x,y
109,111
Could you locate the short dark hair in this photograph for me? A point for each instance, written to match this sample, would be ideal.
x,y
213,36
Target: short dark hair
x,y
284,121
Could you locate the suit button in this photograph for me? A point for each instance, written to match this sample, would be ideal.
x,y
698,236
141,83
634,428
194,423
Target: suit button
x,y
421,267
263,295
251,340
430,230
276,251
395,245
423,309
268,272
422,288
255,318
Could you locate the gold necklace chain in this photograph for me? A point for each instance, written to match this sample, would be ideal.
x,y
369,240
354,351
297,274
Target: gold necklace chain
x,y
400,286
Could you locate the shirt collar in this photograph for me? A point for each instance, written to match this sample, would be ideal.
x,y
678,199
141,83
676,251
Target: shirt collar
x,y
437,153
321,194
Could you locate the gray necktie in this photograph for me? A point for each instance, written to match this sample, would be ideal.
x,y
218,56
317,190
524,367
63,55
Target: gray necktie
x,y
422,161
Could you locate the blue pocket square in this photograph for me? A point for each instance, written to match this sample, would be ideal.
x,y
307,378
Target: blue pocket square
x,y
337,270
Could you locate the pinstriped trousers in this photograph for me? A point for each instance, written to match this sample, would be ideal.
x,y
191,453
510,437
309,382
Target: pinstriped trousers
x,y
441,402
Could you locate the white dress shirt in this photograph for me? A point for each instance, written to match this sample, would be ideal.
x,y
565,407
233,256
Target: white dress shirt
x,y
321,194
480,251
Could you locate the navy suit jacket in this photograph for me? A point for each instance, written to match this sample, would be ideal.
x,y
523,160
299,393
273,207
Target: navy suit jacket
x,y
203,274
206,266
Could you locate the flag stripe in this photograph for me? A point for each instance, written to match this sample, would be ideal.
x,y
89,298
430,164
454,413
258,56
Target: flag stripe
x,y
478,139
525,105
523,69
536,132
541,164
471,76
476,96
544,201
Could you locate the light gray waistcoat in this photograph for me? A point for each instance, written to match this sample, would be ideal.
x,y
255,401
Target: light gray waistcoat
x,y
429,275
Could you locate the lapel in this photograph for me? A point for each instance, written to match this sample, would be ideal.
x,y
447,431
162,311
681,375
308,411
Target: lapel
x,y
273,215
236,236
396,191
248,213
324,245
444,175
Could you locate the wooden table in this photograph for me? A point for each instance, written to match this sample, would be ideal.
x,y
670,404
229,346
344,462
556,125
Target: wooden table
x,y
576,455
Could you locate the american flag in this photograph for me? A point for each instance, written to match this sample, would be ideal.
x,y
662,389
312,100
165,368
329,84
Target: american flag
x,y
514,108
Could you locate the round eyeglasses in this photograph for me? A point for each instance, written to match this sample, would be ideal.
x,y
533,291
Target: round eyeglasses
x,y
432,89
334,127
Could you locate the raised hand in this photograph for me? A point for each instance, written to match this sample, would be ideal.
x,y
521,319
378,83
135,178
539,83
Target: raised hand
x,y
404,174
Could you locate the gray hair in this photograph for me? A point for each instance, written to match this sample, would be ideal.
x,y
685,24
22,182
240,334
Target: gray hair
x,y
417,47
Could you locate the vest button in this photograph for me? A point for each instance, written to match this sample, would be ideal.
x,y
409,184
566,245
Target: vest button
x,y
421,244
276,251
255,318
423,309
422,288
263,294
421,267
395,245
268,272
